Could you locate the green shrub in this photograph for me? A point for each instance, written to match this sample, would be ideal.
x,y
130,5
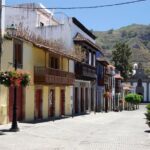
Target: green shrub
x,y
148,107
147,114
133,100
129,98
137,98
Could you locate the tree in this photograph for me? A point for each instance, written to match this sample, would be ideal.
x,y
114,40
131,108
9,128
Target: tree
x,y
121,57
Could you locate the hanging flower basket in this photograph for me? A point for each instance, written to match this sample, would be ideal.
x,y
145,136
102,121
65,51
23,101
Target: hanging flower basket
x,y
15,78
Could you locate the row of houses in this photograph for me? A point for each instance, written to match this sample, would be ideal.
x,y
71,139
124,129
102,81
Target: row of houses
x,y
70,74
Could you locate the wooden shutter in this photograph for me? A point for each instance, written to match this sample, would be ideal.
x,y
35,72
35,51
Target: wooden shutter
x,y
18,53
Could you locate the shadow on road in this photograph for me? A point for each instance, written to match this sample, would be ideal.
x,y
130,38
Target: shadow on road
x,y
147,131
3,131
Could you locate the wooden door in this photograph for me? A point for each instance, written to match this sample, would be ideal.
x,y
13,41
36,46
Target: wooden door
x,y
20,111
38,104
76,109
62,102
20,104
86,99
92,99
82,100
51,103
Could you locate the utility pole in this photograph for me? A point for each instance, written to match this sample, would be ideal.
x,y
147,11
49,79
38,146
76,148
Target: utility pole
x,y
0,31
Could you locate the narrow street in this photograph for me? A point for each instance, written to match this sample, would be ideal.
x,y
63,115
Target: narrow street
x,y
101,131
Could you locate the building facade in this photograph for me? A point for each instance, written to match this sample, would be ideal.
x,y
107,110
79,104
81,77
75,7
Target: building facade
x,y
50,94
101,82
141,83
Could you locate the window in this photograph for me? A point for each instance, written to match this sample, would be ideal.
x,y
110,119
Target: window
x,y
90,58
54,62
18,53
94,59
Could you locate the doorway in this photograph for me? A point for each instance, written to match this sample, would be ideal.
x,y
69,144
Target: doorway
x,y
51,103
86,99
92,99
38,104
76,101
82,100
62,102
20,103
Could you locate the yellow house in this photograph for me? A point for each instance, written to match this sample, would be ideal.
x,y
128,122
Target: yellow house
x,y
51,91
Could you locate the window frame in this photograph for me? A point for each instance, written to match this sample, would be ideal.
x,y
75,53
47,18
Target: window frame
x,y
19,60
55,60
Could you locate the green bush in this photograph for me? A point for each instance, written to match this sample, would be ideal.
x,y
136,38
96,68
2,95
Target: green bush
x,y
147,114
133,100
137,98
129,98
148,107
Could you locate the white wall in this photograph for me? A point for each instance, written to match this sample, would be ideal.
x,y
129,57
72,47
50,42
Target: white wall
x,y
71,66
19,15
135,84
60,33
30,18
145,91
63,33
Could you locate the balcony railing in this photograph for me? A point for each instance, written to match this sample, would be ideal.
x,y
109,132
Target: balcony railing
x,y
48,76
85,70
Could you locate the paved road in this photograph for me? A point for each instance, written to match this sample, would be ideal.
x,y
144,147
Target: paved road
x,y
111,131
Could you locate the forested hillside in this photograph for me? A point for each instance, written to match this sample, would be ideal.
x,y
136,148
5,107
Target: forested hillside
x,y
136,36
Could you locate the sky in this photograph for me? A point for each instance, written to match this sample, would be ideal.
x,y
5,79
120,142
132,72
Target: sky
x,y
100,19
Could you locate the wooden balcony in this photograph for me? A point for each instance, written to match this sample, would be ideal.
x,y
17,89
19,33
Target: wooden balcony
x,y
85,71
47,76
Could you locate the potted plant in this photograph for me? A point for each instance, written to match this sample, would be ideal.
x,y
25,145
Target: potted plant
x,y
147,114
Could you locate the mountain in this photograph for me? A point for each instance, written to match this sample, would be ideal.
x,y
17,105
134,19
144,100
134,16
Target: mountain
x,y
136,36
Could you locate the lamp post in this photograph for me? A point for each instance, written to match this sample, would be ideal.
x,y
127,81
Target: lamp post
x,y
14,126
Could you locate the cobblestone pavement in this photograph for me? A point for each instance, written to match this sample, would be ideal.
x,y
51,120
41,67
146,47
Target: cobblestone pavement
x,y
101,131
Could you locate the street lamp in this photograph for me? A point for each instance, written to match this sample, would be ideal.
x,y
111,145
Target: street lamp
x,y
11,30
14,127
